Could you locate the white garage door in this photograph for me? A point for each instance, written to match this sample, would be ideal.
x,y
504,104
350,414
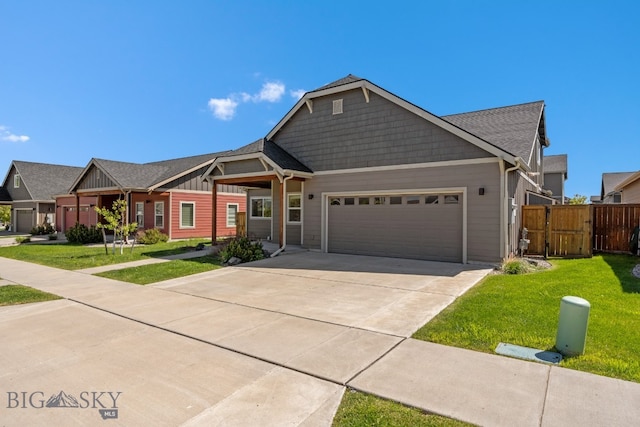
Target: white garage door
x,y
417,226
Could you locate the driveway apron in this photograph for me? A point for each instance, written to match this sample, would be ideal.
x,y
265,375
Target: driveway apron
x,y
270,343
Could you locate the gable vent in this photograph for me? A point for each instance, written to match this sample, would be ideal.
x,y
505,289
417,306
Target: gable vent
x,y
337,106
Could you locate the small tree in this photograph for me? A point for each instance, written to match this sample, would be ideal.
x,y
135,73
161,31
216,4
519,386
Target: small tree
x,y
116,221
5,214
578,199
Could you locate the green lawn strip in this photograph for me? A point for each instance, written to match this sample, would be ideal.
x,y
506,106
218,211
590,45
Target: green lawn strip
x,y
524,310
364,410
74,257
152,273
18,294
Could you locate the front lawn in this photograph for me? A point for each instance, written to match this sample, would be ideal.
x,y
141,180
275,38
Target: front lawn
x,y
524,309
75,257
364,410
152,273
18,294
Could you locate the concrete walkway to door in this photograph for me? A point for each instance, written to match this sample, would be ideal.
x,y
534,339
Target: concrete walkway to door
x,y
273,343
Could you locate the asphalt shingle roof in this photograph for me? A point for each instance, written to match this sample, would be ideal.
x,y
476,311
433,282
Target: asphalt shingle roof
x,y
343,81
512,129
274,152
611,180
146,175
44,181
555,164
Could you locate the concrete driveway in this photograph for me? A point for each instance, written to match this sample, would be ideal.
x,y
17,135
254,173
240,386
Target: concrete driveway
x,y
265,343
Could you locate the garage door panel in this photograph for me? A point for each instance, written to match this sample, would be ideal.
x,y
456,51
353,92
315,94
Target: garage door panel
x,y
417,231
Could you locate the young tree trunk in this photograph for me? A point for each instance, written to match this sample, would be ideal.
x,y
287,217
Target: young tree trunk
x,y
104,239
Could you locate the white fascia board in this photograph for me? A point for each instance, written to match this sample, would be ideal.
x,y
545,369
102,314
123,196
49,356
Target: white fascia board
x,y
627,181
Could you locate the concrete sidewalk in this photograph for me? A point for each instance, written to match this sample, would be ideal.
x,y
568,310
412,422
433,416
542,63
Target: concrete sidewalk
x,y
203,361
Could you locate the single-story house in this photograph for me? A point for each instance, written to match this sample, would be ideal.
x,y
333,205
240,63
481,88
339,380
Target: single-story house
x,y
555,175
355,169
30,189
629,189
168,195
610,181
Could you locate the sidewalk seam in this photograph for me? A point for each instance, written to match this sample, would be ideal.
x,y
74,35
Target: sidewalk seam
x,y
546,395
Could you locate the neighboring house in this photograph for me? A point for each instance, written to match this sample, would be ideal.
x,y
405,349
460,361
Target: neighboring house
x,y
167,195
555,174
30,189
608,192
355,169
629,189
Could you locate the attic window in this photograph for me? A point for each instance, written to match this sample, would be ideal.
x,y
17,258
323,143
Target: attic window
x,y
16,181
337,106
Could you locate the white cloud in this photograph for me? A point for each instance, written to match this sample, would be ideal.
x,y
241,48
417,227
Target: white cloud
x,y
297,94
271,92
223,108
5,135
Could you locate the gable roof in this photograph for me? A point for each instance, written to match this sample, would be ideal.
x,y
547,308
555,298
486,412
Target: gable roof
x,y
629,180
513,128
266,150
556,164
506,132
43,180
146,176
611,180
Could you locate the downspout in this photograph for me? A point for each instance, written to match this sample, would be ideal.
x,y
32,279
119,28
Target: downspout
x,y
505,208
282,216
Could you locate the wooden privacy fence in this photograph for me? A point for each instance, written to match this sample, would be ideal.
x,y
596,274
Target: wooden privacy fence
x,y
241,224
558,230
613,226
578,230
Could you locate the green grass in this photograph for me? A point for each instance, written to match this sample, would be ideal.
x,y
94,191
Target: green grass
x,y
74,257
18,294
524,310
363,410
153,273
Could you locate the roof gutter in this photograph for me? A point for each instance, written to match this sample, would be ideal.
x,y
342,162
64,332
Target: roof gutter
x,y
504,235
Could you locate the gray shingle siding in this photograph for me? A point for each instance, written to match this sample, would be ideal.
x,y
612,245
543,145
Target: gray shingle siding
x,y
367,134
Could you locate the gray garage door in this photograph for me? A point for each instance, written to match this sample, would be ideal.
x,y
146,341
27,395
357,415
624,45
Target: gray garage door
x,y
418,226
24,221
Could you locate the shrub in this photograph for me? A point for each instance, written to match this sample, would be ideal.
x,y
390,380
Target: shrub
x,y
21,239
82,234
513,265
243,249
151,236
43,229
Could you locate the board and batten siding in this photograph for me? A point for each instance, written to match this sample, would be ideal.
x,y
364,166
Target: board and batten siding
x,y
190,182
376,133
95,178
483,211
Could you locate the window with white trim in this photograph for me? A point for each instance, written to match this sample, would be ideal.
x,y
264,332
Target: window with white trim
x,y
232,211
158,215
140,214
261,207
187,214
294,207
16,181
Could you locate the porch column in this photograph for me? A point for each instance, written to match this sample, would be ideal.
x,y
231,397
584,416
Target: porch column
x,y
214,208
77,209
282,205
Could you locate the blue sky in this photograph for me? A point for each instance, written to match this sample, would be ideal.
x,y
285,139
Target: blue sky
x,y
145,81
